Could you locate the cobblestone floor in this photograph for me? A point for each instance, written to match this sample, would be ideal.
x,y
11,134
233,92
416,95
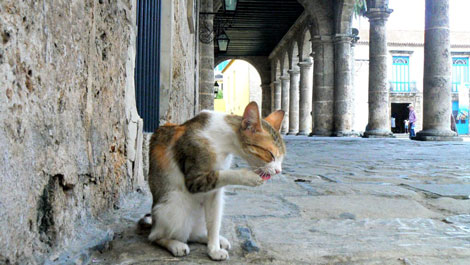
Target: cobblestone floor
x,y
339,201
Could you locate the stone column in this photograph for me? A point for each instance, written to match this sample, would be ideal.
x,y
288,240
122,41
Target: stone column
x,y
266,99
276,95
323,94
353,86
305,106
285,84
206,61
294,102
343,90
437,82
379,114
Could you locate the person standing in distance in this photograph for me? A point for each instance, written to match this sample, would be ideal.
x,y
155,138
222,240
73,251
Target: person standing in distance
x,y
412,120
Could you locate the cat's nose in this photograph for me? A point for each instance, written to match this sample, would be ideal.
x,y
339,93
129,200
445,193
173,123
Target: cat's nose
x,y
278,171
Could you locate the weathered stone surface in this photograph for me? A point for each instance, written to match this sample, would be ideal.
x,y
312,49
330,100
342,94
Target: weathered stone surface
x,y
265,99
362,206
344,100
306,89
323,89
185,60
458,191
450,205
437,81
338,201
379,116
67,69
206,58
276,95
294,102
285,85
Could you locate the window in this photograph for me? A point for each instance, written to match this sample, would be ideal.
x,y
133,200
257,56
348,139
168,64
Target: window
x,y
401,74
459,72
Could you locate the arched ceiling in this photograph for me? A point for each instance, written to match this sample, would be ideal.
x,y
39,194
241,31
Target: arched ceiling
x,y
258,25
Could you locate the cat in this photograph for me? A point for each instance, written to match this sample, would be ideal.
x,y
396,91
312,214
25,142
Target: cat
x,y
189,164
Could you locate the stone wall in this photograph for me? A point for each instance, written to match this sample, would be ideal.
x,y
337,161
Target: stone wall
x,y
67,116
184,69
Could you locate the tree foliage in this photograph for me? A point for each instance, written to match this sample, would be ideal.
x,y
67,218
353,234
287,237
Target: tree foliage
x,y
360,7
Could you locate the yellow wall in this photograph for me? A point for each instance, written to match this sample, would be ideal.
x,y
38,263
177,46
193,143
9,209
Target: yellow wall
x,y
238,75
219,105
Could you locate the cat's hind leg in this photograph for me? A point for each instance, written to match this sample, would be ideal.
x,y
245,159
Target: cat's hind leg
x,y
177,248
171,224
160,234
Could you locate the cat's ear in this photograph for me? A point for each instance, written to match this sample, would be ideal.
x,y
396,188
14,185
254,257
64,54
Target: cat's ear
x,y
275,119
251,119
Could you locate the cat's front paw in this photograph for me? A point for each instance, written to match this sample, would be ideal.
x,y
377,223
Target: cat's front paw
x,y
252,179
218,254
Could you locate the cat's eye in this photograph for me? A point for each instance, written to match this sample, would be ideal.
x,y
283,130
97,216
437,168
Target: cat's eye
x,y
273,158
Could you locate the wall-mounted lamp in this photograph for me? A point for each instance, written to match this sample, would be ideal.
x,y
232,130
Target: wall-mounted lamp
x,y
223,41
230,5
208,32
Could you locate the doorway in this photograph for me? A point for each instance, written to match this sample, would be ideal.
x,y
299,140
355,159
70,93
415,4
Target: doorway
x,y
400,113
461,118
147,68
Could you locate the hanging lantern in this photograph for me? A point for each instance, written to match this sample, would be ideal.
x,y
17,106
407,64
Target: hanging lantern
x,y
230,5
223,41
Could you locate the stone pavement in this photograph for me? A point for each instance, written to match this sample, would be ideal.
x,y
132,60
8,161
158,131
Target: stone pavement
x,y
338,201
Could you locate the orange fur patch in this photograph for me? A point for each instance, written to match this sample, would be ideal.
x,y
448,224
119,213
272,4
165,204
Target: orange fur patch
x,y
168,124
179,131
159,153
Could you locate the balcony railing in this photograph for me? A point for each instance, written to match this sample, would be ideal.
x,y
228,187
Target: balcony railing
x,y
403,87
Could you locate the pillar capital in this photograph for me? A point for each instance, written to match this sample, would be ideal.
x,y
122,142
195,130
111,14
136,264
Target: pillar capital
x,y
265,85
343,38
275,82
293,72
306,63
322,39
375,14
284,77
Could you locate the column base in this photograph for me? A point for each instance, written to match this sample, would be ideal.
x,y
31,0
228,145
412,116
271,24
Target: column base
x,y
292,133
378,134
346,134
437,135
302,133
321,133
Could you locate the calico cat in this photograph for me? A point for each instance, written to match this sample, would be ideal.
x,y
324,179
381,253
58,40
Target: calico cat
x,y
190,165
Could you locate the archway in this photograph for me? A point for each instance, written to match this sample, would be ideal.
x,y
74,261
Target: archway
x,y
277,71
306,48
294,56
239,83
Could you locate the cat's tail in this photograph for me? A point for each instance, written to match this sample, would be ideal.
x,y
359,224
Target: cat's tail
x,y
145,222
